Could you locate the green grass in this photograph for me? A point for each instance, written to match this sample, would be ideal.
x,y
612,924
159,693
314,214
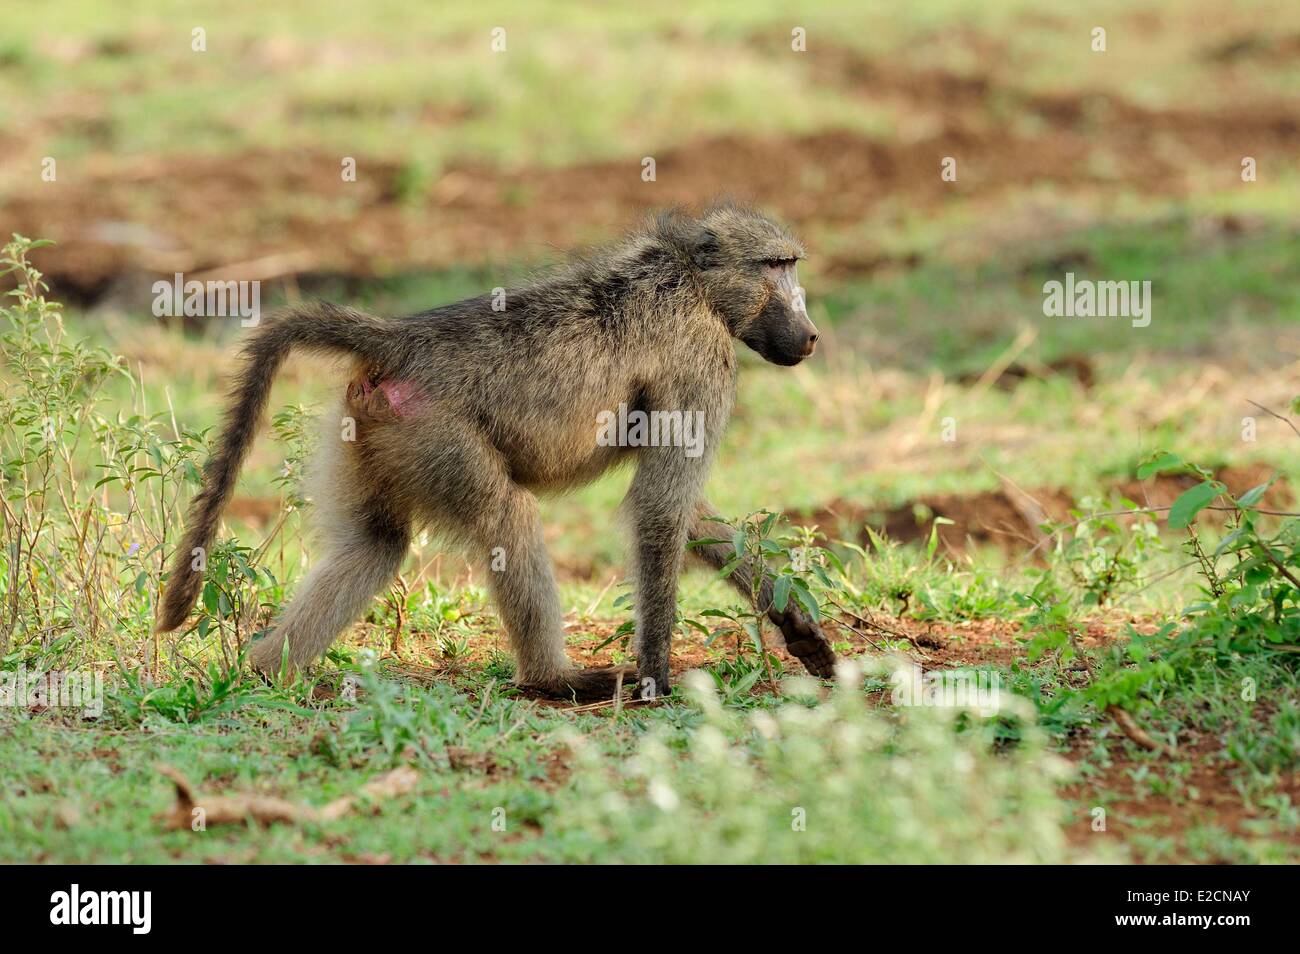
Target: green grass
x,y
1209,297
90,796
861,426
384,79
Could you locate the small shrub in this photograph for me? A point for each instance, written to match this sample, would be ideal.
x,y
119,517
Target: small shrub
x,y
836,782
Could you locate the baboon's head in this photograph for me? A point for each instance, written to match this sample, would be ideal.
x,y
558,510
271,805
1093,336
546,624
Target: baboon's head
x,y
745,263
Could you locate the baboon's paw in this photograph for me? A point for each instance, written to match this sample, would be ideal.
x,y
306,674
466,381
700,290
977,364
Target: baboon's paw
x,y
265,657
816,655
587,685
805,642
651,685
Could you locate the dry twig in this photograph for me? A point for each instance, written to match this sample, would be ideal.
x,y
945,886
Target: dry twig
x,y
267,810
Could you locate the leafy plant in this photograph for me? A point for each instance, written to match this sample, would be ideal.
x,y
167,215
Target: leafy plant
x,y
792,566
1102,556
1254,601
1250,606
90,501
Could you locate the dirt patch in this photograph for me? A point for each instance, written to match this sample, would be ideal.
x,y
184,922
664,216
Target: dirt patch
x,y
979,102
1255,47
1201,792
267,215
1206,795
256,511
1013,375
1010,518
688,653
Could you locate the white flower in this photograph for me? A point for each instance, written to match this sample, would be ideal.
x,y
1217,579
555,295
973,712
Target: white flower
x,y
663,796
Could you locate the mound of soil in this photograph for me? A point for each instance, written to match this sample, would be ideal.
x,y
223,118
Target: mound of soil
x,y
248,216
1010,518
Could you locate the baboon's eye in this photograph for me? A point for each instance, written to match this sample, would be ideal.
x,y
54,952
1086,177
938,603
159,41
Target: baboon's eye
x,y
778,262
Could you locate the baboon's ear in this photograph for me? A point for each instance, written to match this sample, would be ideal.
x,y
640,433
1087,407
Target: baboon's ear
x,y
703,249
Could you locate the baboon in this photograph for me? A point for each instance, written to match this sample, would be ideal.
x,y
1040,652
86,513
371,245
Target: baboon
x,y
464,412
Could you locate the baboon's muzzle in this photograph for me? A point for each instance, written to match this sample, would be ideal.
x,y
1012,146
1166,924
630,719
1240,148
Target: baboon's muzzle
x,y
789,343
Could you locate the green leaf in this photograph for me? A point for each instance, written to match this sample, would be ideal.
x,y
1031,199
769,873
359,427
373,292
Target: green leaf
x,y
1192,502
705,542
211,597
781,592
1254,494
626,629
696,625
933,543
1162,462
1229,541
727,570
807,601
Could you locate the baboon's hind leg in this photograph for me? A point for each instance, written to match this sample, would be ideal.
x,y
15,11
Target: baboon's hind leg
x,y
523,586
363,552
470,493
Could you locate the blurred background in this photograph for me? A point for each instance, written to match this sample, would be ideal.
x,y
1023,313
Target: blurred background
x,y
943,160
210,139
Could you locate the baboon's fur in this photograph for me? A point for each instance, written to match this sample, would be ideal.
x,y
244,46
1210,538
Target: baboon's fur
x,y
497,405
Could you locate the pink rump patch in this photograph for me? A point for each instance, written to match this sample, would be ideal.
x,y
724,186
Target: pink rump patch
x,y
402,396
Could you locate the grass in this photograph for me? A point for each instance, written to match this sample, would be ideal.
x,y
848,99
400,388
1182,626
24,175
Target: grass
x,y
355,80
103,814
757,763
77,795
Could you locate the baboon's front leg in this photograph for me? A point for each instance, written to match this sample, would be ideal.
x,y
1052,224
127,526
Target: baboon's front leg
x,y
660,499
504,533
520,577
803,637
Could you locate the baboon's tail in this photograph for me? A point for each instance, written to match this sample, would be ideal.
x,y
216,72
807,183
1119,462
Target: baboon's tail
x,y
317,327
